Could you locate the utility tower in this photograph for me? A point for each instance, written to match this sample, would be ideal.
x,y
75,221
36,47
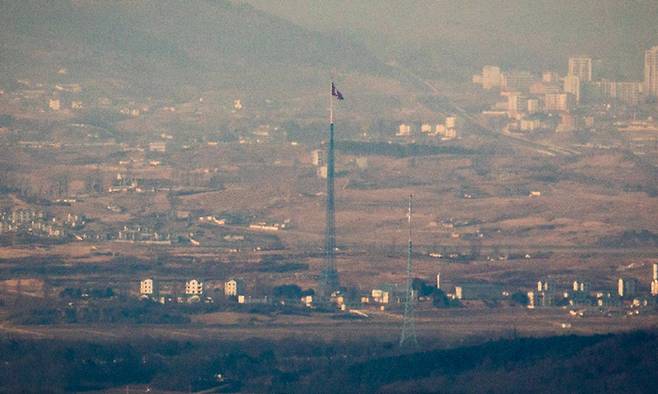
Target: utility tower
x,y
329,276
408,335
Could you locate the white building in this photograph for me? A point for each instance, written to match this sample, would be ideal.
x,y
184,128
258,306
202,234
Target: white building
x,y
621,287
318,157
451,122
491,77
558,102
533,106
233,287
54,104
449,130
516,104
160,147
531,300
629,92
529,124
147,287
572,85
194,287
321,172
581,66
361,162
626,287
580,287
550,77
307,300
517,81
380,296
450,134
404,130
651,71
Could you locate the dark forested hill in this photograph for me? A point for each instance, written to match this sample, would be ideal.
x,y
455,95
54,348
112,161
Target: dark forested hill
x,y
619,363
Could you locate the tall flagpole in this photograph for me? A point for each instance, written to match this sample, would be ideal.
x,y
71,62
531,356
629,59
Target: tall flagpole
x,y
331,104
329,275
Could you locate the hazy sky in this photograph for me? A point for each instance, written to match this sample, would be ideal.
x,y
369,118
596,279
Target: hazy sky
x,y
544,30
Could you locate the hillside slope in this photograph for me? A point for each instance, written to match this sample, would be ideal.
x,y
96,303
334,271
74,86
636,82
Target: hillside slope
x,y
161,44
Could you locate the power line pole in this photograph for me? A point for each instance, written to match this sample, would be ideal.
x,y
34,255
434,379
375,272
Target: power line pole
x,y
408,335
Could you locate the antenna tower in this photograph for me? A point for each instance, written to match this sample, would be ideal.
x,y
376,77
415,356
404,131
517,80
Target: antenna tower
x,y
408,335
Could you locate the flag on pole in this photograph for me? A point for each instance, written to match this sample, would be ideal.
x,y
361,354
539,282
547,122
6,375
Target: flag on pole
x,y
336,93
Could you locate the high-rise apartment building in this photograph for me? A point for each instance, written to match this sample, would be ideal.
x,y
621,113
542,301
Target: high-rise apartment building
x,y
516,104
629,92
558,102
572,85
491,77
517,81
651,72
581,66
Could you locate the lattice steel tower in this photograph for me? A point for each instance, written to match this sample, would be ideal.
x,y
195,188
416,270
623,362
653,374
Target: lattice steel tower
x,y
408,335
329,276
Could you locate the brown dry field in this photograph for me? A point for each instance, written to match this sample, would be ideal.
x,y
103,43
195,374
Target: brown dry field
x,y
590,200
595,196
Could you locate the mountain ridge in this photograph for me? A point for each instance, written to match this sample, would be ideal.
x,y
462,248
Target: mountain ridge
x,y
158,43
